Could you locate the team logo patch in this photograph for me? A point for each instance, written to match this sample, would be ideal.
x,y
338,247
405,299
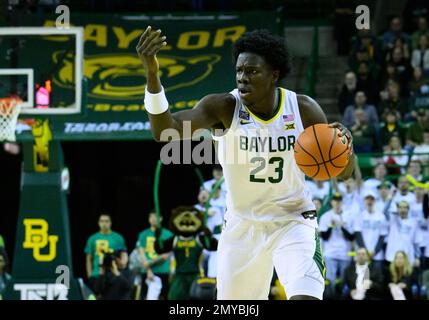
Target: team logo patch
x,y
290,126
244,115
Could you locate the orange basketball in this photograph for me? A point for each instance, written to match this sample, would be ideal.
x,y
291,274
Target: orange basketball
x,y
320,153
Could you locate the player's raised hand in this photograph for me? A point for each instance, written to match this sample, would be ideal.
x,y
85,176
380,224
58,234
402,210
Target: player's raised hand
x,y
151,41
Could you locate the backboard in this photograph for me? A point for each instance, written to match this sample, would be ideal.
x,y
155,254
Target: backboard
x,y
49,82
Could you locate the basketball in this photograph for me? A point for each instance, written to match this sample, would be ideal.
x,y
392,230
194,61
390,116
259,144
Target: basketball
x,y
320,153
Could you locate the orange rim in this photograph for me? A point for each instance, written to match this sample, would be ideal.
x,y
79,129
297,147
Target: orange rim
x,y
6,104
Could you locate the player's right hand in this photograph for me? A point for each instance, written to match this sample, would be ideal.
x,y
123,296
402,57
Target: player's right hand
x,y
151,41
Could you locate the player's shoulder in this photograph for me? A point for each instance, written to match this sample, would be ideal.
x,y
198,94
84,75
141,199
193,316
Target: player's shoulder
x,y
225,99
116,235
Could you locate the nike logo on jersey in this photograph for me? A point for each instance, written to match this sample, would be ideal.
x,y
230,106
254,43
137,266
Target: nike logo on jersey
x,y
245,121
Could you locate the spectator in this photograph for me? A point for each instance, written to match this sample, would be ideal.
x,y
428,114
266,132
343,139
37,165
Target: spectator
x,y
153,265
415,131
392,101
420,101
422,25
420,56
102,241
217,175
421,151
399,43
416,207
351,195
395,157
367,83
415,176
5,277
214,214
400,277
359,55
395,32
391,127
380,173
336,228
214,224
370,231
1,242
383,201
403,68
416,84
349,119
403,234
369,42
363,132
389,74
115,280
318,188
404,193
348,92
363,279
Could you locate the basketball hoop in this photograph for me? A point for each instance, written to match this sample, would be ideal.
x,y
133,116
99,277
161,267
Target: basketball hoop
x,y
9,111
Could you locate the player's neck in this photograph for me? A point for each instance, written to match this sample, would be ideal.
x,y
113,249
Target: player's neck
x,y
105,231
268,107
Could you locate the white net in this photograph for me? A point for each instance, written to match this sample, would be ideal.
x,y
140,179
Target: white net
x,y
9,111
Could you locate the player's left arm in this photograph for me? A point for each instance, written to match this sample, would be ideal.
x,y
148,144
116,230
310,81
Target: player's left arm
x,y
311,114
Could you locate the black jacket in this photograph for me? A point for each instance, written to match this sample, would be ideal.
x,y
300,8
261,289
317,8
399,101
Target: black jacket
x,y
376,291
111,287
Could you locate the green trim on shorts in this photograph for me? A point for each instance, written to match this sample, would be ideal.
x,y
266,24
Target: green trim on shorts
x,y
318,257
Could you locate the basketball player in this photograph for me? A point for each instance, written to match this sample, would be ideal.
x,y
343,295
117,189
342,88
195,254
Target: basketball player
x,y
270,219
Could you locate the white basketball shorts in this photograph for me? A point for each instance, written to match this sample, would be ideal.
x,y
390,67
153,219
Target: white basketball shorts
x,y
248,251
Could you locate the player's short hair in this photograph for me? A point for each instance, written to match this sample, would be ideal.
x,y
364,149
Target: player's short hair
x,y
105,214
272,48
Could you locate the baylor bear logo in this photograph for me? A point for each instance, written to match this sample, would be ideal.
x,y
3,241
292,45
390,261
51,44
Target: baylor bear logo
x,y
37,238
121,76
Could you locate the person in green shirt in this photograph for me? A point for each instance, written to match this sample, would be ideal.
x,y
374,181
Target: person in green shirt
x,y
101,242
1,242
152,263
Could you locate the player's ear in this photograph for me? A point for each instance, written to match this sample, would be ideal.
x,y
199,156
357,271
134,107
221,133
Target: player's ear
x,y
276,76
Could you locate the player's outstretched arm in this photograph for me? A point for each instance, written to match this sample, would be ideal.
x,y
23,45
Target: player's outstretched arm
x,y
210,111
311,114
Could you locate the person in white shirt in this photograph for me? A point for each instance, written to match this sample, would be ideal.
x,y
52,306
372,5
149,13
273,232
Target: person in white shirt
x,y
403,193
384,195
420,55
421,151
217,175
352,199
214,224
370,230
416,207
380,173
336,228
318,189
403,234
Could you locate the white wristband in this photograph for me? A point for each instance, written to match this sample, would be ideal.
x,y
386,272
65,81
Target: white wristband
x,y
155,103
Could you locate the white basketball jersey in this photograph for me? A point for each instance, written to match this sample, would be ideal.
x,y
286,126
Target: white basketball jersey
x,y
257,156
